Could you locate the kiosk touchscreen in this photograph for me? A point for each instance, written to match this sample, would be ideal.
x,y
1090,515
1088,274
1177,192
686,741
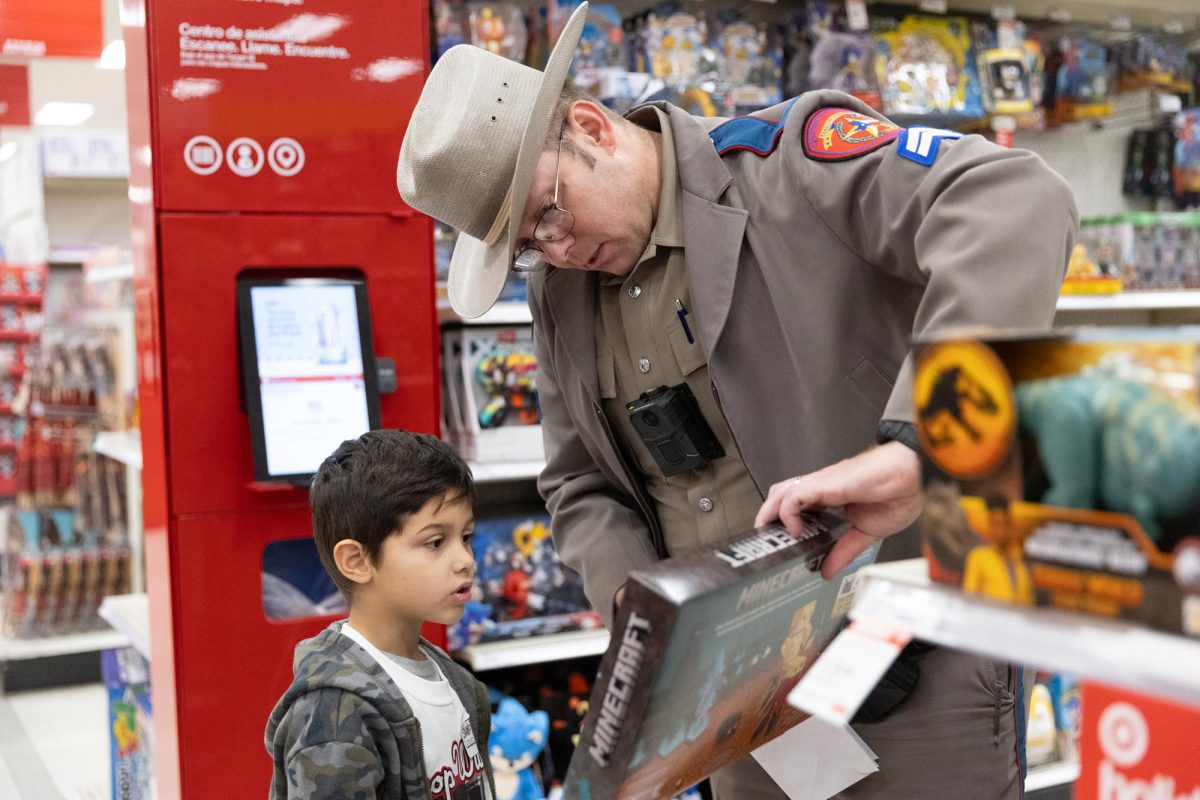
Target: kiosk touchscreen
x,y
309,370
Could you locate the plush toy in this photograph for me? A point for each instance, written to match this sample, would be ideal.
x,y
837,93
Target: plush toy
x,y
518,736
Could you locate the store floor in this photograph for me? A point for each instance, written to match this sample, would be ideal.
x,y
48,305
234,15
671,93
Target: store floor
x,y
54,744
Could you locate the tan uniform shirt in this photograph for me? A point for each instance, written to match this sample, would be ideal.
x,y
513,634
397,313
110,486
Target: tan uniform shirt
x,y
641,344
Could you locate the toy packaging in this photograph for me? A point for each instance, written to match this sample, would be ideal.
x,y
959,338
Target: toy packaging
x,y
498,28
127,681
704,651
1062,470
521,588
927,66
1185,179
497,394
1084,81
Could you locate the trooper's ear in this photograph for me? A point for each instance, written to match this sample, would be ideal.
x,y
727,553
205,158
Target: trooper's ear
x,y
595,128
351,560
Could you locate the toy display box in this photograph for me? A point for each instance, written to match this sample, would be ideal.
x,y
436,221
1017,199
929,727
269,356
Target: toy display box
x,y
521,588
490,383
1064,469
704,651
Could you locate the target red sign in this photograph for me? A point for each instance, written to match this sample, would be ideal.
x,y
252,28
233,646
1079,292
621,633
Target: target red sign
x,y
1138,747
35,28
14,94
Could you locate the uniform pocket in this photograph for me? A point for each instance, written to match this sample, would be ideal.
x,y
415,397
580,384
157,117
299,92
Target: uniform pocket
x,y
872,383
688,355
606,374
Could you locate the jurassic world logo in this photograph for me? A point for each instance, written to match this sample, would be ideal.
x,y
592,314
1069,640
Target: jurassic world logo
x,y
964,408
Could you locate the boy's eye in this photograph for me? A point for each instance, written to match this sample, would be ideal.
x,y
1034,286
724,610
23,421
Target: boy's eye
x,y
435,543
467,537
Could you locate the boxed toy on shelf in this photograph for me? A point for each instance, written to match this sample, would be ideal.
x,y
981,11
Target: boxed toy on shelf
x,y
521,588
1062,469
1143,250
704,651
490,384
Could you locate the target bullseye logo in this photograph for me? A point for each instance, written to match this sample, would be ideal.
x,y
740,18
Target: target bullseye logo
x,y
1124,734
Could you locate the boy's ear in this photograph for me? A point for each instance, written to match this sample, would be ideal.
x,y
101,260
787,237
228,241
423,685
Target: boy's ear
x,y
352,561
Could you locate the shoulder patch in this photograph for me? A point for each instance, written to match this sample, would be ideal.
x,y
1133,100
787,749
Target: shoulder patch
x,y
921,144
755,134
838,134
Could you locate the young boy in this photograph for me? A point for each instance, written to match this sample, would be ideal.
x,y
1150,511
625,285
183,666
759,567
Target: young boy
x,y
375,711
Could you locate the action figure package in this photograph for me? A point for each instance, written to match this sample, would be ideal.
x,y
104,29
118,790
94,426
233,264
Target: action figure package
x,y
499,394
1084,81
846,62
704,650
1062,469
601,44
521,588
927,66
1185,178
751,65
498,28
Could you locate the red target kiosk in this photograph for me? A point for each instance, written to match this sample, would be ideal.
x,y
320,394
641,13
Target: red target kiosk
x,y
264,137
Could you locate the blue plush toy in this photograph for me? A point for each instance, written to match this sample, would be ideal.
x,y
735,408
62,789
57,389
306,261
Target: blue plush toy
x,y
516,741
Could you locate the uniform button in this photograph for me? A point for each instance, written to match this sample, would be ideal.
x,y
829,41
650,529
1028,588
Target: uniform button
x,y
706,505
644,365
635,292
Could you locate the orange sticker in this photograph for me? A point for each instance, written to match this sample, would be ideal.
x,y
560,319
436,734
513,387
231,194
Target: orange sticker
x,y
965,415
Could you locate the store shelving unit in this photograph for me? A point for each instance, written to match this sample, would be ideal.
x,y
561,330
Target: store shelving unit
x,y
1050,776
1108,651
496,471
1130,301
129,615
51,646
535,650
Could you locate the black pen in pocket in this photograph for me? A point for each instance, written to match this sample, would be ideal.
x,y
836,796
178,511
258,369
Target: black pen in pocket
x,y
681,312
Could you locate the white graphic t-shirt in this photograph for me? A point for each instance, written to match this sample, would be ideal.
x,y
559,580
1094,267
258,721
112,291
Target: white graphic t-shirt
x,y
453,763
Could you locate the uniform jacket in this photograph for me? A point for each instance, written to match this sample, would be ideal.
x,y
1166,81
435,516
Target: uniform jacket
x,y
343,728
808,281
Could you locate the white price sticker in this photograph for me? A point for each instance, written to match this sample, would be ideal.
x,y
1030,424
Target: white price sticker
x,y
1004,11
843,676
932,6
856,15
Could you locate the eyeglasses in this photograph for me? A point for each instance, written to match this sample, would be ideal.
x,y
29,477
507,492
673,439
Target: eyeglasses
x,y
553,224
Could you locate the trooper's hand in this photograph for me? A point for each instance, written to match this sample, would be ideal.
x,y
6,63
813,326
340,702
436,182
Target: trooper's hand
x,y
879,490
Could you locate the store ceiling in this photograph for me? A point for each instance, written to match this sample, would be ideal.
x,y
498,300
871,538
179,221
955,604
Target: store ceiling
x,y
80,81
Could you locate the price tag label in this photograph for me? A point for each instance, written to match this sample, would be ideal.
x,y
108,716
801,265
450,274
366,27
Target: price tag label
x,y
843,676
909,606
1059,14
1120,23
932,6
856,15
1004,11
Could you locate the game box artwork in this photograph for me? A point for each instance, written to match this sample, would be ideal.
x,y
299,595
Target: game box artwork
x,y
521,588
704,650
1064,469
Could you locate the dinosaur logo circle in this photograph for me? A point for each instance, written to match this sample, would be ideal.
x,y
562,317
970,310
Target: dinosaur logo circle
x,y
964,408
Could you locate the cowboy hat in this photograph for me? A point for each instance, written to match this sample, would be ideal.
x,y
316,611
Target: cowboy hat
x,y
470,152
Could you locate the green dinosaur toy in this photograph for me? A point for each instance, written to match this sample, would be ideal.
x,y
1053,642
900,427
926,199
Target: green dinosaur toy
x,y
1114,444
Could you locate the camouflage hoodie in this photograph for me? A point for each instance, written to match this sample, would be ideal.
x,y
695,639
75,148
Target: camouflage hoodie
x,y
344,730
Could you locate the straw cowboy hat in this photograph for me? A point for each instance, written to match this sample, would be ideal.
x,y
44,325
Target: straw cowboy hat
x,y
470,152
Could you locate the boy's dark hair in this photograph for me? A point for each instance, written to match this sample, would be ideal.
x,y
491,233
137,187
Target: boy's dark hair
x,y
371,485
